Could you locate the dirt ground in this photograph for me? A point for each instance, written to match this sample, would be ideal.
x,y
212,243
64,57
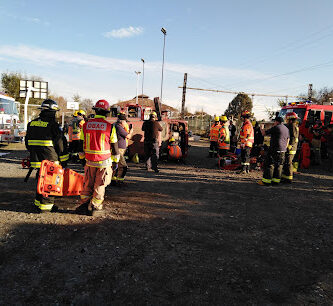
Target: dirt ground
x,y
191,234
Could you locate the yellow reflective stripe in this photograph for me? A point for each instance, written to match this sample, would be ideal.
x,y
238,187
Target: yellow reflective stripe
x,y
84,197
115,158
290,177
102,142
275,180
292,152
114,178
96,201
35,164
43,206
99,164
113,138
266,181
245,164
120,179
37,202
88,141
44,143
64,157
97,152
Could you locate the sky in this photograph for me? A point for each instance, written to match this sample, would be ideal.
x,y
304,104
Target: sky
x,y
93,48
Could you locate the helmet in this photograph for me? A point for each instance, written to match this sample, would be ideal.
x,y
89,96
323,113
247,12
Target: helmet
x,y
245,113
291,115
81,112
50,105
216,118
102,105
223,118
75,113
153,114
171,139
122,116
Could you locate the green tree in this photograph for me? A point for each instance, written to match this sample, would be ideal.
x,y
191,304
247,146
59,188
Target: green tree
x,y
239,104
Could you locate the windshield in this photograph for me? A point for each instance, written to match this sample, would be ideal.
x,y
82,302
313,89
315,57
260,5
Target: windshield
x,y
299,111
8,107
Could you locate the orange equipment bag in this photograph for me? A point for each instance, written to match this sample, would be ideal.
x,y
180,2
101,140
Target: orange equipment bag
x,y
229,162
175,152
305,155
53,180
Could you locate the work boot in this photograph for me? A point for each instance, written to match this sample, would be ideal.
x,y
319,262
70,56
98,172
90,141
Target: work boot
x,y
261,183
97,212
242,170
83,209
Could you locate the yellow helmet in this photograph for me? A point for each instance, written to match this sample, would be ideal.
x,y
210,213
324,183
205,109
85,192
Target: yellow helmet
x,y
153,114
223,118
216,118
82,112
254,123
75,113
171,139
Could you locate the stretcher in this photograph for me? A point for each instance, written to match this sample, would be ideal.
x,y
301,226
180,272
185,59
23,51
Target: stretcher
x,y
232,162
53,180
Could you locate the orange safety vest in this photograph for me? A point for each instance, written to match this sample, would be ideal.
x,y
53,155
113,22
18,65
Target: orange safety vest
x,y
97,134
247,134
174,151
74,129
224,138
214,132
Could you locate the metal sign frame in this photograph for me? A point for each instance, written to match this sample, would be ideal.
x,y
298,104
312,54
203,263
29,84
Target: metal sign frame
x,y
41,89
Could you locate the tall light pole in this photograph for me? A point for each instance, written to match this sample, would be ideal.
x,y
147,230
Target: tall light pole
x,y
137,84
164,34
143,76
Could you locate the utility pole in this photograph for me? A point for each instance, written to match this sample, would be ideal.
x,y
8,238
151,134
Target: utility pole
x,y
143,77
184,94
137,85
310,92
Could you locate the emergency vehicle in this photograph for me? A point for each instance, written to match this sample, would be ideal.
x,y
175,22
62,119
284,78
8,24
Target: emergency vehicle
x,y
9,119
308,113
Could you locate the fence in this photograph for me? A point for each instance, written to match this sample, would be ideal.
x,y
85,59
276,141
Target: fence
x,y
199,125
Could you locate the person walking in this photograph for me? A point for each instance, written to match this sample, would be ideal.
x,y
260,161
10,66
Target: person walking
x,y
214,137
100,149
45,141
288,169
246,136
276,153
151,130
224,137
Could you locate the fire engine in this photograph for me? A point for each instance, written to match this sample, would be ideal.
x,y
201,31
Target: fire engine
x,y
9,119
308,113
136,114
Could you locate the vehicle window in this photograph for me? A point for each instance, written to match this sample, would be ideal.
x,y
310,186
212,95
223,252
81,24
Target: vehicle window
x,y
299,111
328,117
313,116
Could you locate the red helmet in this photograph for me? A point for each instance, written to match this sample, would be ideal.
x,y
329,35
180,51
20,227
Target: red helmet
x,y
291,115
245,113
102,105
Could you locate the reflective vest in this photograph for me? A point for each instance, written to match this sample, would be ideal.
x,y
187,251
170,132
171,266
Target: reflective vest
x,y
98,136
224,138
174,151
247,134
74,129
214,132
126,127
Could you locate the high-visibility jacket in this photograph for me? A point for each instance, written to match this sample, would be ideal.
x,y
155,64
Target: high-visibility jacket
x,y
100,142
293,141
74,129
45,140
214,132
247,134
224,138
175,151
127,129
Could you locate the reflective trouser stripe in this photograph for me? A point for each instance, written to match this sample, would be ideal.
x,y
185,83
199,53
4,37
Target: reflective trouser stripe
x,y
43,206
290,177
266,181
96,202
245,164
120,178
43,143
84,197
114,178
64,157
35,164
295,165
275,180
292,152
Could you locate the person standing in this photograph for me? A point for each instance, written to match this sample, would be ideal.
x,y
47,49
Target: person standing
x,y
224,137
45,140
276,153
151,130
74,133
288,169
100,151
124,133
246,138
214,137
232,132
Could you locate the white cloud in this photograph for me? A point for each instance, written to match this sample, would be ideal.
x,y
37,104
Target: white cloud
x,y
124,32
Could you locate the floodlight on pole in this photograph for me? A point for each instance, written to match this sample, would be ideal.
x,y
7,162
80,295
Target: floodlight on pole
x,y
137,84
164,34
143,77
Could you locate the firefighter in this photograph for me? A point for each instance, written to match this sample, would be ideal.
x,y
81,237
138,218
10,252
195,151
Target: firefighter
x,y
214,137
174,151
288,169
276,154
124,133
74,132
246,136
45,140
224,137
100,151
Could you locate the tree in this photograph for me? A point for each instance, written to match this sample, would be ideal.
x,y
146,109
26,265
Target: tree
x,y
62,102
86,105
76,98
271,113
239,104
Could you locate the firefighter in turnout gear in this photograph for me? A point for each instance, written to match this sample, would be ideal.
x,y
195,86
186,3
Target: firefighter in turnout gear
x,y
246,136
45,140
74,133
224,137
100,146
287,175
214,137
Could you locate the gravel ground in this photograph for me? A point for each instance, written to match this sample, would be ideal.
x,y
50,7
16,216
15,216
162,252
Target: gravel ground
x,y
191,234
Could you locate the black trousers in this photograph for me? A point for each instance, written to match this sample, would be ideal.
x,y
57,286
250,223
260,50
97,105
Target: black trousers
x,y
151,149
288,168
273,167
213,148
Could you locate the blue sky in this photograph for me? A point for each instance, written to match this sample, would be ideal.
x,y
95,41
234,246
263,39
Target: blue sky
x,y
93,47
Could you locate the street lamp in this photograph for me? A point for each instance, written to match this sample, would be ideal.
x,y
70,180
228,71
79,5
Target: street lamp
x,y
137,85
164,34
143,76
